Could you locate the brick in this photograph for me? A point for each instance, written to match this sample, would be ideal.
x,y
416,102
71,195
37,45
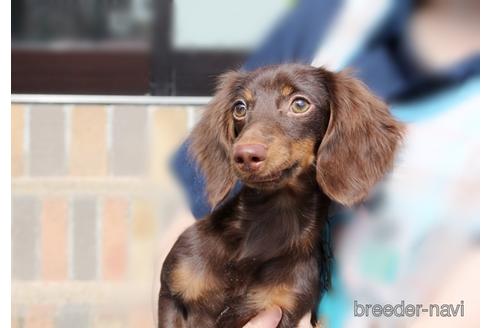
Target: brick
x,y
54,239
114,238
129,141
39,316
110,320
141,318
47,141
73,316
88,148
84,238
17,140
25,235
143,243
17,316
169,130
175,227
144,225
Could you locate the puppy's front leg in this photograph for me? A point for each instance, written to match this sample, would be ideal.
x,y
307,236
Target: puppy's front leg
x,y
170,313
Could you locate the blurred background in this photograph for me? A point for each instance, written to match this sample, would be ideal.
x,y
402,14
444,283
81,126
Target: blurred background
x,y
95,208
104,92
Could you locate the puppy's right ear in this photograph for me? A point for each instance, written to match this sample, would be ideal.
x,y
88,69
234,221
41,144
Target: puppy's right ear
x,y
212,138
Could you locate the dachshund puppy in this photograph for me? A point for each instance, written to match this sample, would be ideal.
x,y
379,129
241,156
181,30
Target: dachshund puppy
x,y
297,138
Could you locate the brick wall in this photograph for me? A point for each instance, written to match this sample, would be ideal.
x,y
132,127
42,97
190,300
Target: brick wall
x,y
94,211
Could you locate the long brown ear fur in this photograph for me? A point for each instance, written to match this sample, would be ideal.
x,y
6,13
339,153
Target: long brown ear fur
x,y
360,143
212,138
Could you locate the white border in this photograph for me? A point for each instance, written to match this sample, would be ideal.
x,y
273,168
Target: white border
x,y
5,168
485,165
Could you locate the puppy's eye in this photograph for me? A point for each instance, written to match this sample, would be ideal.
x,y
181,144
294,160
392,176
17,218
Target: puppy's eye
x,y
239,110
300,105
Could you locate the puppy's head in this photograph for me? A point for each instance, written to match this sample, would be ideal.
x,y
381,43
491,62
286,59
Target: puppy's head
x,y
269,126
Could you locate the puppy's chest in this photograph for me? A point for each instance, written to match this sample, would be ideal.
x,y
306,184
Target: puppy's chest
x,y
217,288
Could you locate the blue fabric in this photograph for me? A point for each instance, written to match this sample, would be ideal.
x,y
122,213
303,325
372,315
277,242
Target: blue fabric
x,y
298,36
192,180
428,107
335,304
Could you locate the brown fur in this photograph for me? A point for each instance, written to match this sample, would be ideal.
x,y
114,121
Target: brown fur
x,y
360,143
262,247
211,145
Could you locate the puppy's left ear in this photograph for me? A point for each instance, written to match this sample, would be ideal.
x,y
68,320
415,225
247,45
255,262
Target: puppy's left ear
x,y
360,143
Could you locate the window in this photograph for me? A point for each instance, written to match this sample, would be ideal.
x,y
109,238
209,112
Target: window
x,y
133,47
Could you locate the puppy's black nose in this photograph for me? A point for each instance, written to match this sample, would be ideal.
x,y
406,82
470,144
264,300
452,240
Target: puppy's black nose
x,y
250,156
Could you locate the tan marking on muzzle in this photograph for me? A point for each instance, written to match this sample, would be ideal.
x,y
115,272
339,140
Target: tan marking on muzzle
x,y
303,151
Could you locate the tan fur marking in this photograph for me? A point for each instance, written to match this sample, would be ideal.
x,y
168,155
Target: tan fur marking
x,y
286,90
265,297
192,283
305,150
248,95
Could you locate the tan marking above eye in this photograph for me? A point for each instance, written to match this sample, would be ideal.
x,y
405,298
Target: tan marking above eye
x,y
286,90
192,282
248,95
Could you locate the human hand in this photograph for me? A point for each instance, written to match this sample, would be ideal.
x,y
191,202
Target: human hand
x,y
271,317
